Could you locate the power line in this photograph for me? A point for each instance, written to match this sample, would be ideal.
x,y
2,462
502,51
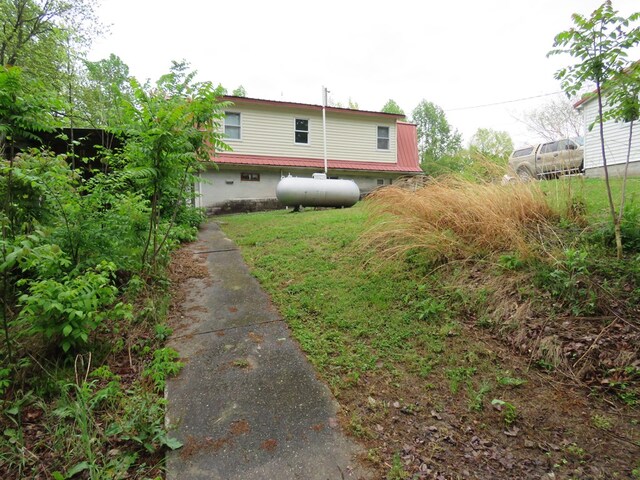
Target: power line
x,y
502,103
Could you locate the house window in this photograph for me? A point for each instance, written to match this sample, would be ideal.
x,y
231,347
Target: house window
x,y
380,181
232,125
301,130
249,177
383,138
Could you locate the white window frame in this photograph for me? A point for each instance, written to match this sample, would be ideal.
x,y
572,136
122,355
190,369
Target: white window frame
x,y
308,131
388,138
239,127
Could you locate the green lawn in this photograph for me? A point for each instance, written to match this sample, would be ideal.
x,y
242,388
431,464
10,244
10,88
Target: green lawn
x,y
400,341
349,318
591,191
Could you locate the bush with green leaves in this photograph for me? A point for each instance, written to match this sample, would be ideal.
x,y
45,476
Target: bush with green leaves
x,y
68,310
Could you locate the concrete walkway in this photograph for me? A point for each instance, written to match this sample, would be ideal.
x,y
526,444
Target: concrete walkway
x,y
247,405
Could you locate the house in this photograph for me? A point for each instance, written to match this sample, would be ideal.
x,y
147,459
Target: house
x,y
272,139
616,142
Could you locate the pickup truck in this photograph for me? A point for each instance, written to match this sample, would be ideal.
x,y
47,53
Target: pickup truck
x,y
548,159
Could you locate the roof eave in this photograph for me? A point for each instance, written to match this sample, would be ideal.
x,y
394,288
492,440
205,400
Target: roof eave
x,y
308,106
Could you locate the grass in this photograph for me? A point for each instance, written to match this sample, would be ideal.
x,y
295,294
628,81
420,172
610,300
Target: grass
x,y
348,318
353,317
388,334
591,192
453,218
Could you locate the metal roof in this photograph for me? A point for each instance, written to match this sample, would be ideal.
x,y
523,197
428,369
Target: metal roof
x,y
408,157
317,163
307,106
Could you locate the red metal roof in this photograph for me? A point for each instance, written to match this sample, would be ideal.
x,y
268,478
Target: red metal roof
x,y
408,157
308,106
318,163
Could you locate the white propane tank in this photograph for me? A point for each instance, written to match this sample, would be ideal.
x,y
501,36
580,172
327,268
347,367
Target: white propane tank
x,y
318,191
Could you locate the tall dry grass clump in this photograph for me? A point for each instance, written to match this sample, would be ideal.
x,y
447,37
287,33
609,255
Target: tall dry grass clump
x,y
453,218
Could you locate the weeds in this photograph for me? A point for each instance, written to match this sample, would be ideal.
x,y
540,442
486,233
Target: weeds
x,y
455,219
601,422
509,411
508,381
476,398
164,364
458,376
397,471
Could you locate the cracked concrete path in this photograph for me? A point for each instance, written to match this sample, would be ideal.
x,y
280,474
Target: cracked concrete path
x,y
247,404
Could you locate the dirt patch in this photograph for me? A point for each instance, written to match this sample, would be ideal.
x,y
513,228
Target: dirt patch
x,y
239,427
184,269
256,337
269,445
195,445
599,351
555,431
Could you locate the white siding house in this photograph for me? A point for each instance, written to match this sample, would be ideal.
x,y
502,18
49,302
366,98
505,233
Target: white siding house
x,y
616,137
272,139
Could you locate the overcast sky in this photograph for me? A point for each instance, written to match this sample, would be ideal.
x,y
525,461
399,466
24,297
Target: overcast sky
x,y
455,53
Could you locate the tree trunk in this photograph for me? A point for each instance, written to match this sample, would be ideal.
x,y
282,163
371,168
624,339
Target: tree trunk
x,y
612,208
623,193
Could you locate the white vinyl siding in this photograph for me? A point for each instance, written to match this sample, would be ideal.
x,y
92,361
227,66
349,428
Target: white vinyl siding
x,y
616,137
266,130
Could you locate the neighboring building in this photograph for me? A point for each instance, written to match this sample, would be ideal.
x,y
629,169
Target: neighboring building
x,y
616,142
272,139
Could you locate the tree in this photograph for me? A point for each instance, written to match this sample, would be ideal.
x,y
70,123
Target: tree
x,y
492,143
36,34
436,137
239,92
392,107
25,110
106,87
170,128
555,120
600,44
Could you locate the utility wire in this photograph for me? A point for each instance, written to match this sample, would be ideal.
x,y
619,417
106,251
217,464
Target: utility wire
x,y
502,103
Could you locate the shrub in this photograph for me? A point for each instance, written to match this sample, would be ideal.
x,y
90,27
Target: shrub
x,y
66,311
452,218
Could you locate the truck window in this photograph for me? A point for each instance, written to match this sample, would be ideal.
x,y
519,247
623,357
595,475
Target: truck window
x,y
566,145
522,152
549,147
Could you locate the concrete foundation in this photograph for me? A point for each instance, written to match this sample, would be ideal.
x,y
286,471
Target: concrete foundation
x,y
616,170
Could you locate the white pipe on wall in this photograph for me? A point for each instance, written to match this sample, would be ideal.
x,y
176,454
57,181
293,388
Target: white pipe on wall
x,y
324,126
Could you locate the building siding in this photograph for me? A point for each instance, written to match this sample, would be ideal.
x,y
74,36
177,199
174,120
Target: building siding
x,y
269,130
616,137
219,186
